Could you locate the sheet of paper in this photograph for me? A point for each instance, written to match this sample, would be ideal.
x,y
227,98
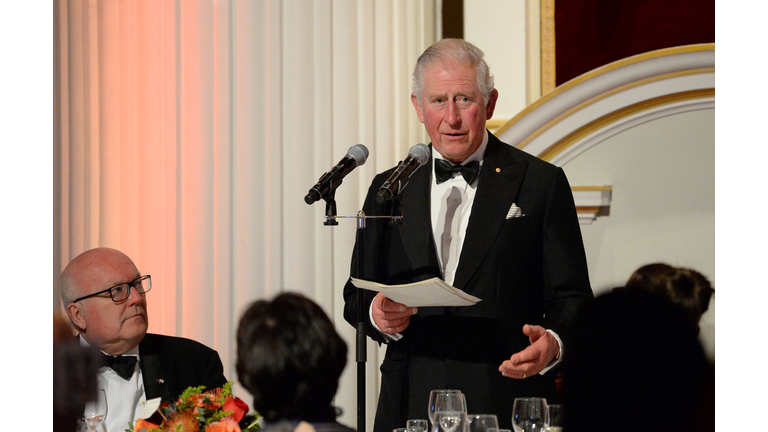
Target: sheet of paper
x,y
431,292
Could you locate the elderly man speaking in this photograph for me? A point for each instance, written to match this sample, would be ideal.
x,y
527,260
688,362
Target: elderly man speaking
x,y
105,298
489,219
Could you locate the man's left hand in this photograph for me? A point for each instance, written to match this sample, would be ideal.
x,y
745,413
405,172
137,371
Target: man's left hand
x,y
535,358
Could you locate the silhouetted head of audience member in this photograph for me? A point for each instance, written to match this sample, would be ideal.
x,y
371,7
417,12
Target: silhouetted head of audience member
x,y
684,286
74,376
290,358
635,363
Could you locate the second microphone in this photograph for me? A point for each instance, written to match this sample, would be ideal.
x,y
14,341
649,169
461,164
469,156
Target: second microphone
x,y
418,155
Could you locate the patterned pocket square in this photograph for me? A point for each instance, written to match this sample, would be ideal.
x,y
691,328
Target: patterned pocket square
x,y
514,211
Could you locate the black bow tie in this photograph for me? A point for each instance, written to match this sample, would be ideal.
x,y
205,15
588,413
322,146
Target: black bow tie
x,y
444,170
123,365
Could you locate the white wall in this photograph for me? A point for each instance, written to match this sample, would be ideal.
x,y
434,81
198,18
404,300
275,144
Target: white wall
x,y
498,27
663,204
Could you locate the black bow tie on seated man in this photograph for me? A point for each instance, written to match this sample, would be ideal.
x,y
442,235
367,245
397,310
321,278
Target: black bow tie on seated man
x,y
444,170
123,365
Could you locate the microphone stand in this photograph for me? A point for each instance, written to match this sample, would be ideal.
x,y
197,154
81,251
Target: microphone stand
x,y
330,209
361,349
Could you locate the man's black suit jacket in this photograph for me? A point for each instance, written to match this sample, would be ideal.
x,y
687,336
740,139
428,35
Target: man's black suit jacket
x,y
171,364
527,270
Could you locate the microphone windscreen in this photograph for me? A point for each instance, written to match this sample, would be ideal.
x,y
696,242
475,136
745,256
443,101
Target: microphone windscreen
x,y
420,152
359,153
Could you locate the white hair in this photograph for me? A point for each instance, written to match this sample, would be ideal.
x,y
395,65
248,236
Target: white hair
x,y
454,51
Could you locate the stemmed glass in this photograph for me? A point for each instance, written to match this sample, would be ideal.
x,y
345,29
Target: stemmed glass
x,y
529,415
482,422
450,411
433,408
95,413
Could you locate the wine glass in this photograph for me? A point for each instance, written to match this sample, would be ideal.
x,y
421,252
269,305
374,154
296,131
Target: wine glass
x,y
482,422
451,421
416,423
432,408
529,414
96,413
555,418
450,411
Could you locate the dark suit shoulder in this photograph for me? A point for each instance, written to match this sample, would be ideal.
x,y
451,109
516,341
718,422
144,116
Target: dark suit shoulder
x,y
497,147
171,364
161,343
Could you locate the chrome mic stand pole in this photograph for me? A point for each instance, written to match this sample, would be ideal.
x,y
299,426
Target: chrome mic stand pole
x,y
361,351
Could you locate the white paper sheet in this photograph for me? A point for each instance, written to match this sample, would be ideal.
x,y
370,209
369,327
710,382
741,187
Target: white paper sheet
x,y
431,292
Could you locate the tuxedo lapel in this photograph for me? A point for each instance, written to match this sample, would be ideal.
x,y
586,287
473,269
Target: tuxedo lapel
x,y
499,183
152,371
417,223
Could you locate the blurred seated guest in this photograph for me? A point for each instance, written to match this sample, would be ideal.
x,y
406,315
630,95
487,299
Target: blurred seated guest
x,y
636,364
105,297
290,358
74,376
684,286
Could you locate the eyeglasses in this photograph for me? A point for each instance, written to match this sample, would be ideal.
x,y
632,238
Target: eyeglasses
x,y
122,291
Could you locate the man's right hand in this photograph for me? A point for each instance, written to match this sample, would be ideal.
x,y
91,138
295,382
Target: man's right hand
x,y
390,316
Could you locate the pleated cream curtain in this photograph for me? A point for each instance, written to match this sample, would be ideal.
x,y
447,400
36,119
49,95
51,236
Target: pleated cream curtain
x,y
187,132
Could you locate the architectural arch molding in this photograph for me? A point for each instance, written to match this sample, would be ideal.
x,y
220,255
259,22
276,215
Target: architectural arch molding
x,y
606,101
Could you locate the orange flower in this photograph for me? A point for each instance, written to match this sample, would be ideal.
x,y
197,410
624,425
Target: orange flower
x,y
199,400
239,408
143,424
214,395
185,422
227,424
196,400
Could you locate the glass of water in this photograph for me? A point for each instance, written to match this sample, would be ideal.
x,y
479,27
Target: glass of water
x,y
412,424
450,412
433,408
529,414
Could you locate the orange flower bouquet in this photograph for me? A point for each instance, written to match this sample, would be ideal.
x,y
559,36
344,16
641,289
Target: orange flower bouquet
x,y
198,410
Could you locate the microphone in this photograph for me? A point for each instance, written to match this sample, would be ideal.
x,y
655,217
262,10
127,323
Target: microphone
x,y
418,155
356,156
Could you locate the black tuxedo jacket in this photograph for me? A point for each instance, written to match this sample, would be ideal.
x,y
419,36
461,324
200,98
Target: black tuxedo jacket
x,y
527,270
171,364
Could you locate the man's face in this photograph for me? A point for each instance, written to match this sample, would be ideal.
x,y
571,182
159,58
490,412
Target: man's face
x,y
112,327
452,110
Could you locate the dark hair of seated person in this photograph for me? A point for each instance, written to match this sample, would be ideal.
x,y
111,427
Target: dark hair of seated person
x,y
684,286
75,370
635,363
290,358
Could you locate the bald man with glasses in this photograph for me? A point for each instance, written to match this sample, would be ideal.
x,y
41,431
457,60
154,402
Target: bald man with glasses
x,y
106,300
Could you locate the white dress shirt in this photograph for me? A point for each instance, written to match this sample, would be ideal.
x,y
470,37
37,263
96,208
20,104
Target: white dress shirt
x,y
454,189
123,397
